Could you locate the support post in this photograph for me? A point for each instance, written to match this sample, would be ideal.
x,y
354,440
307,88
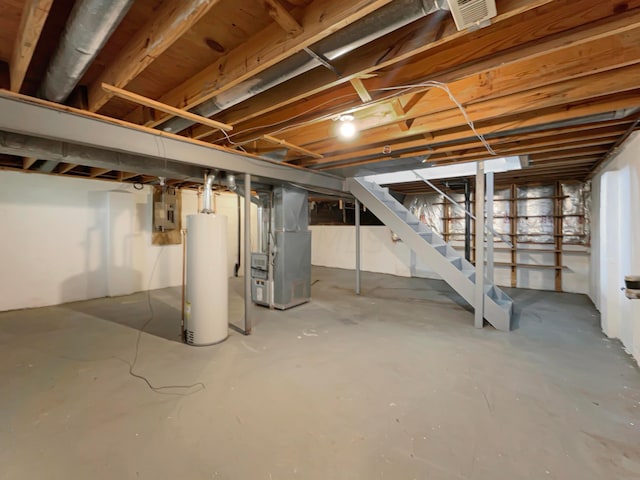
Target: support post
x,y
490,238
247,254
467,220
479,292
357,212
513,216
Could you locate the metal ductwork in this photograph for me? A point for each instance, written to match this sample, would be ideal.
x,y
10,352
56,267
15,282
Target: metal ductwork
x,y
88,28
387,19
207,194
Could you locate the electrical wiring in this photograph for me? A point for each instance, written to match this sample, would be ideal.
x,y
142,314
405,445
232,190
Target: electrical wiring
x,y
232,142
161,389
445,88
398,90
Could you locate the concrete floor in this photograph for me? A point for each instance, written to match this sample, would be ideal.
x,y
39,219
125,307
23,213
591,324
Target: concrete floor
x,y
393,384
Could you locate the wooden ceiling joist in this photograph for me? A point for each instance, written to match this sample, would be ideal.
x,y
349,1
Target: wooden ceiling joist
x,y
361,90
123,176
290,146
66,167
27,162
283,18
34,15
96,172
559,94
552,79
421,147
449,51
267,48
166,26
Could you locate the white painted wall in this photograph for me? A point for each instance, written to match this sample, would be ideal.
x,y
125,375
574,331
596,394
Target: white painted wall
x,y
67,239
334,246
616,244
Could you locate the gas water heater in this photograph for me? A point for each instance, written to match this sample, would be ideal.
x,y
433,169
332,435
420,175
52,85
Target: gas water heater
x,y
207,303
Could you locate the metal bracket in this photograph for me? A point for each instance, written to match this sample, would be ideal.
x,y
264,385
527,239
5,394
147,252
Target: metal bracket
x,y
323,60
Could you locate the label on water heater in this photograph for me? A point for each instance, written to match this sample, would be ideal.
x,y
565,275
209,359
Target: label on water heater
x,y
187,309
259,294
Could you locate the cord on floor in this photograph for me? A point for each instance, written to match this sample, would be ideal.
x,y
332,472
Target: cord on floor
x,y
162,389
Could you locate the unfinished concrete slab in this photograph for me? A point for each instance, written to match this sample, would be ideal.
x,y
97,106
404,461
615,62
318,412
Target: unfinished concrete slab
x,y
395,383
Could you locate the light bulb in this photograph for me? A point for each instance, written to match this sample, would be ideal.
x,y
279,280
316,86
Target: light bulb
x,y
347,130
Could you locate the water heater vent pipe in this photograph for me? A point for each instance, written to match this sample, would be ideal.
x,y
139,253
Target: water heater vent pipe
x,y
207,206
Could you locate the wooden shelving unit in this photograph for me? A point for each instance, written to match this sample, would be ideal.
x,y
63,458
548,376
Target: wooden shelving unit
x,y
556,247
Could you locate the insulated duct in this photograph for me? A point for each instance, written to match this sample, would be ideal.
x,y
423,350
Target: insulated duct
x,y
88,28
391,17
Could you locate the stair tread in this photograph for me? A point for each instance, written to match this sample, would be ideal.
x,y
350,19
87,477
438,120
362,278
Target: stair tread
x,y
397,212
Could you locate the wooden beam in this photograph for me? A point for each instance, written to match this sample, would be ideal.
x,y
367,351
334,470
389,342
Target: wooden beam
x,y
361,90
291,146
265,49
27,162
397,107
66,167
96,172
167,25
34,15
122,176
283,18
148,102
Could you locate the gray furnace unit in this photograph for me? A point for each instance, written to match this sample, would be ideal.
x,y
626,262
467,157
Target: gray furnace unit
x,y
281,269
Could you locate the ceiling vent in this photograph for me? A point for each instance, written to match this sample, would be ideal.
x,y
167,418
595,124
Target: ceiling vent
x,y
472,13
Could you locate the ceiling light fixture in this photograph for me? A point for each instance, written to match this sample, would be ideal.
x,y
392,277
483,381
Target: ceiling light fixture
x,y
346,127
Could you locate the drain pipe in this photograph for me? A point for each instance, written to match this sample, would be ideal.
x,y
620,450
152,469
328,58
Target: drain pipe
x,y
387,19
88,28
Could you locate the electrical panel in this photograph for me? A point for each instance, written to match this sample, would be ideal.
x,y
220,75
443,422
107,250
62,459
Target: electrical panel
x,y
165,213
166,216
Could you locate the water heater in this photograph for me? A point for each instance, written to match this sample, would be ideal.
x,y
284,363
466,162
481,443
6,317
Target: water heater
x,y
207,303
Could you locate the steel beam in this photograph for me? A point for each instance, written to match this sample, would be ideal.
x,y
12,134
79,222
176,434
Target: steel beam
x,y
41,120
56,151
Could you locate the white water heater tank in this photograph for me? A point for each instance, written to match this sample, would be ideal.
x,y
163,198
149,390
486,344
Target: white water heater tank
x,y
207,303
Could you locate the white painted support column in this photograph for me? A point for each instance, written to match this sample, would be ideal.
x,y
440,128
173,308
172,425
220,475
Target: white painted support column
x,y
490,237
479,293
247,254
357,213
